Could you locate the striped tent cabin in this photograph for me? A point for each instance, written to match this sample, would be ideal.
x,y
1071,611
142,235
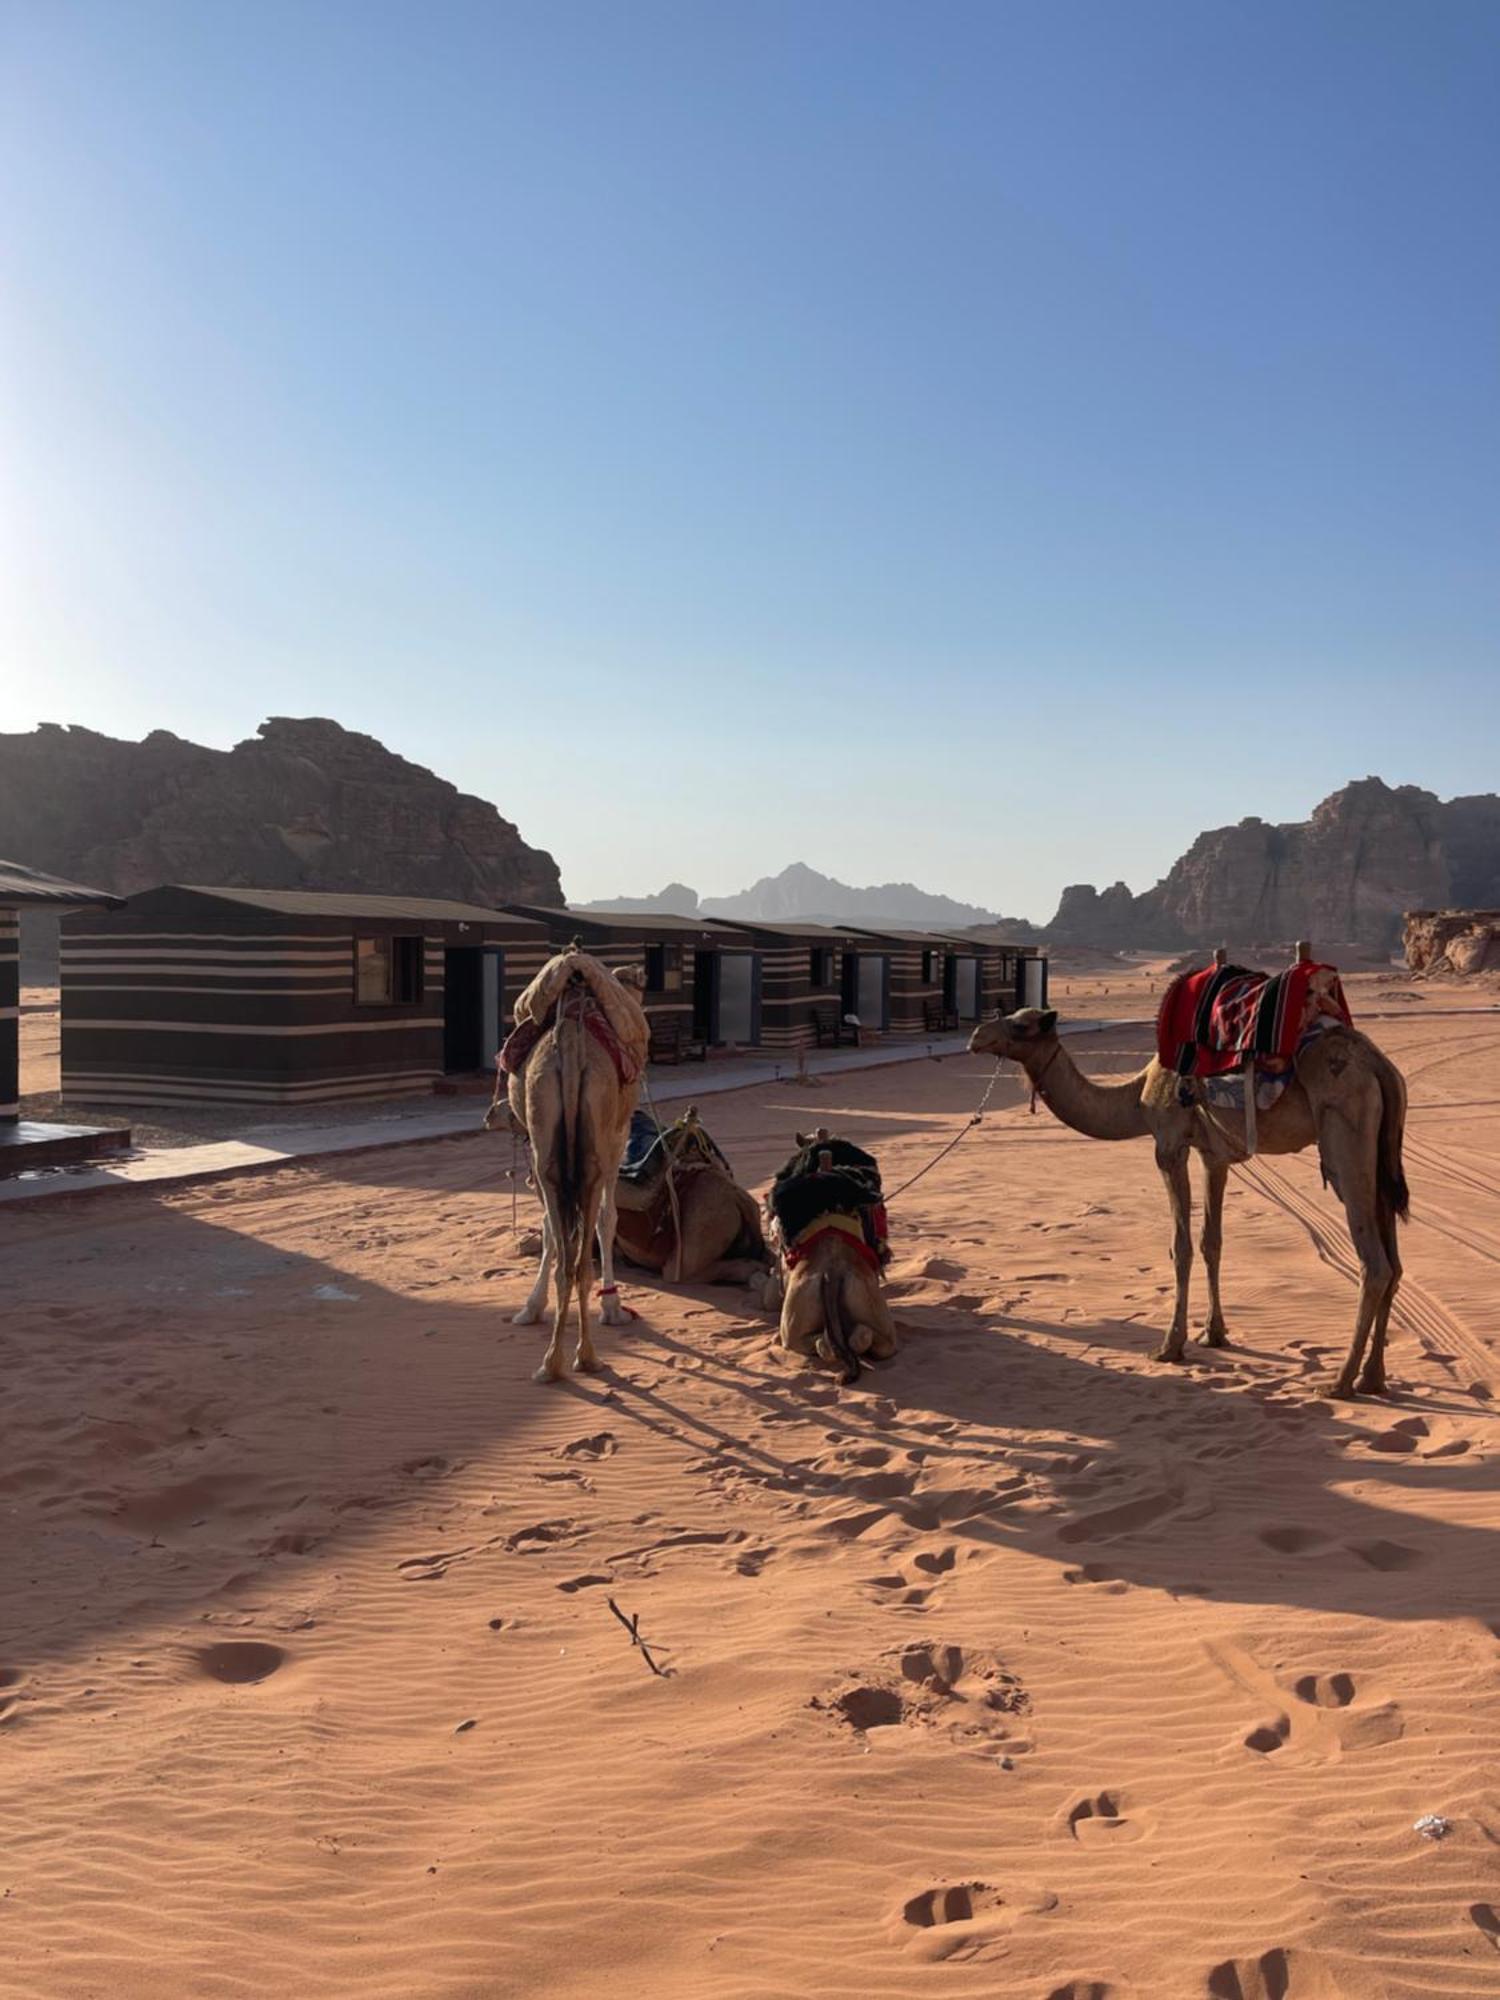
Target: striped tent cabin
x,y
26,1144
1008,975
803,974
285,996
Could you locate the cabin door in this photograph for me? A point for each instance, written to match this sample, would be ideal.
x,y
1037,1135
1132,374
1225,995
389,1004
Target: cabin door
x,y
966,988
871,992
706,996
463,1010
739,998
1033,982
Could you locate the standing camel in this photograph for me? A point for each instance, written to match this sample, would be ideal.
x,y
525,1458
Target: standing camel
x,y
1345,1097
573,1092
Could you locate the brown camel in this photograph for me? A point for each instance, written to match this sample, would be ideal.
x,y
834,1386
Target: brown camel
x,y
833,1299
702,1229
572,1099
1346,1097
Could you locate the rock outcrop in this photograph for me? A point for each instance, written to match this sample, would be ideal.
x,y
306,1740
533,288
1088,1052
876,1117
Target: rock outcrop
x,y
303,804
1345,876
1459,941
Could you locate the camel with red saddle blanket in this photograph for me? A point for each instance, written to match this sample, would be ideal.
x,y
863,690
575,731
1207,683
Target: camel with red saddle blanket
x,y
1338,1091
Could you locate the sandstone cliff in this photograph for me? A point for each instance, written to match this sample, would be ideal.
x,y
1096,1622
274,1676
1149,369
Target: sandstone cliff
x,y
1461,941
1344,876
303,804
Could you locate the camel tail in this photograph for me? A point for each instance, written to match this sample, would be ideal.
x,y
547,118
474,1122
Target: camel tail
x,y
572,1140
833,1322
1390,1172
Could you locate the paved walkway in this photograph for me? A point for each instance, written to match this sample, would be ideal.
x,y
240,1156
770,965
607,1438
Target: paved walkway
x,y
453,1118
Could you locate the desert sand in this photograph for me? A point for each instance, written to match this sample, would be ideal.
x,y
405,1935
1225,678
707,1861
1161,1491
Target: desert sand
x,y
1026,1667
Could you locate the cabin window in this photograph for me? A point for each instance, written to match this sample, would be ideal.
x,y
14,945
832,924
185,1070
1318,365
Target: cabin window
x,y
664,968
387,971
929,967
820,966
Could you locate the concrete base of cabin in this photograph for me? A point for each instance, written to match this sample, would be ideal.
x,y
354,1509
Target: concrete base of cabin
x,y
25,1144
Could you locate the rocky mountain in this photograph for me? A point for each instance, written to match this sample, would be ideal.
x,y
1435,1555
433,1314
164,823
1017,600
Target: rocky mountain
x,y
676,900
1345,875
799,894
302,804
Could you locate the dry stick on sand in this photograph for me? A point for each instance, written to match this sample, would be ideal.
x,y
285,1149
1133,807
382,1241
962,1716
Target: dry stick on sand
x,y
632,1626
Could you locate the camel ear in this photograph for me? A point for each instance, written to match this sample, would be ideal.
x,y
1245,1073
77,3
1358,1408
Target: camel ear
x,y
1046,1021
802,1138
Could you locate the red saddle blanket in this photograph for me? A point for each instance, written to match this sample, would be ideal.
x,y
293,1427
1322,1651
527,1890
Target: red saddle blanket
x,y
1217,1018
523,1038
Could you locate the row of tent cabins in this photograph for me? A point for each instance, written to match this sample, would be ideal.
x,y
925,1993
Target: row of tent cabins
x,y
277,996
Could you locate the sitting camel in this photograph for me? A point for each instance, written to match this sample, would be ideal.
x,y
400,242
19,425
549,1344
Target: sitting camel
x,y
831,1225
1345,1096
571,1074
681,1212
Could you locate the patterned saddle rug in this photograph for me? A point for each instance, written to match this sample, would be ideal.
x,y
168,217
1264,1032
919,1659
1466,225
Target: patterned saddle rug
x,y
524,1037
1220,1017
809,1198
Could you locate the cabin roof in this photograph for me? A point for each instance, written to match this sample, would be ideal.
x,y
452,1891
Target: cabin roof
x,y
19,884
339,903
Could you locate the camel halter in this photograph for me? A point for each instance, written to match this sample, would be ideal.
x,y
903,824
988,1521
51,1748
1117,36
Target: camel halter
x,y
1036,1082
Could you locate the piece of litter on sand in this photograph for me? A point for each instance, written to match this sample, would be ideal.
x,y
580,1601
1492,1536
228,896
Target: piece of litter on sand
x,y
459,1728
1432,1826
1007,1763
333,1292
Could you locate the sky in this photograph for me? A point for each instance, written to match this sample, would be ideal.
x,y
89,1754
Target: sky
x,y
976,444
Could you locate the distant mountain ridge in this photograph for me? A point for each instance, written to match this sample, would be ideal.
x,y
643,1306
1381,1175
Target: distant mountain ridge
x,y
800,894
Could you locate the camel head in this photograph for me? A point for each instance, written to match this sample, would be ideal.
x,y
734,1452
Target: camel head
x,y
1024,1036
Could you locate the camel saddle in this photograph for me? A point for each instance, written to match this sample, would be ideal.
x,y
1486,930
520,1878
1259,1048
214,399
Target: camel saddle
x,y
524,1037
658,1161
1222,1017
830,1184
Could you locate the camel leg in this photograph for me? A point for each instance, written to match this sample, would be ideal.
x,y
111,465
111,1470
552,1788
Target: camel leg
x,y
875,1317
536,1299
1372,1377
1215,1174
593,1198
610,1310
801,1315
1348,1156
731,1271
1174,1171
562,1265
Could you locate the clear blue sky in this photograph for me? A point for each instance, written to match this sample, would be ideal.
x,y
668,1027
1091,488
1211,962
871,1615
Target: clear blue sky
x,y
983,444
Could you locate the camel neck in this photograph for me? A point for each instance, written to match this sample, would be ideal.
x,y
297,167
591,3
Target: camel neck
x,y
1098,1110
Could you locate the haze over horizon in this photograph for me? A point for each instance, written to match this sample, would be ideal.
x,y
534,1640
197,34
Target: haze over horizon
x,y
980,450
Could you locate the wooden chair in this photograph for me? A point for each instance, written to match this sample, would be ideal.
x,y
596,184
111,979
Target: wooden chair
x,y
672,1043
830,1029
938,1019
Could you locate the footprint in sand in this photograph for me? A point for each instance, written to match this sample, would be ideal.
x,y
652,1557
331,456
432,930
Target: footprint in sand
x,y
587,1582
1325,1690
965,1919
1270,1736
10,1680
1085,1989
1387,1555
1486,1922
1101,1816
240,1662
1275,1975
1294,1541
1404,1436
599,1444
1097,1573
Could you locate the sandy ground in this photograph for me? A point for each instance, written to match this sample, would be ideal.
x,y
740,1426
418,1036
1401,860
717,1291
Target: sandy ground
x,y
1024,1668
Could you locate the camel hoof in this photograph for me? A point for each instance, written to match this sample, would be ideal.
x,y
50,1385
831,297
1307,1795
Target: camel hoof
x,y
1214,1336
526,1317
1373,1385
589,1363
822,1348
861,1340
1337,1392
546,1374
611,1312
1173,1354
